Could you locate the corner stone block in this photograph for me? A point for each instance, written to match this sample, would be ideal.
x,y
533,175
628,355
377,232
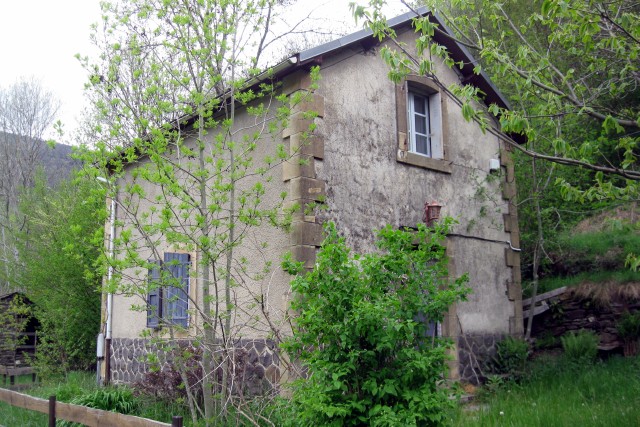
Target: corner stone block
x,y
297,166
307,189
296,81
306,254
516,327
508,190
297,124
512,258
508,220
310,102
513,291
306,233
515,239
312,145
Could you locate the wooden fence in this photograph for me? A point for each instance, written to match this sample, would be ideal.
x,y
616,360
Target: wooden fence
x,y
79,414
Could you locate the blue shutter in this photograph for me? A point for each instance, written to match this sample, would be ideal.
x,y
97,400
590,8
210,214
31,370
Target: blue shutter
x,y
176,294
154,296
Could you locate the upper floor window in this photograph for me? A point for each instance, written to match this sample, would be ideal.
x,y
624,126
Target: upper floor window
x,y
420,118
424,123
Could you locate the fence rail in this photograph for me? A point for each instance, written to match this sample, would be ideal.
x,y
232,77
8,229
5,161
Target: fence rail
x,y
79,414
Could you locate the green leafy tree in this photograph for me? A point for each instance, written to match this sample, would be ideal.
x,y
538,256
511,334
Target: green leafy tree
x,y
572,65
59,246
182,118
570,70
365,331
15,315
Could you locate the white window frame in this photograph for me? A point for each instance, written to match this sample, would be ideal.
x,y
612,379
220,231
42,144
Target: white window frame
x,y
433,123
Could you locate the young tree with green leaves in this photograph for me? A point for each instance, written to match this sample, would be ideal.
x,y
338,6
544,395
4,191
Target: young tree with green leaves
x,y
59,247
569,64
187,133
27,112
570,70
366,331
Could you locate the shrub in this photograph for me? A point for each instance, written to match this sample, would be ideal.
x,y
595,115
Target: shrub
x,y
369,357
629,331
511,357
164,380
580,347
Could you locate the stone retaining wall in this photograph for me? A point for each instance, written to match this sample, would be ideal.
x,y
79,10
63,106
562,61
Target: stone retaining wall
x,y
572,312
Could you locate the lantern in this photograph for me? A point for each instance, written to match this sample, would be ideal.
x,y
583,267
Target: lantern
x,y
431,212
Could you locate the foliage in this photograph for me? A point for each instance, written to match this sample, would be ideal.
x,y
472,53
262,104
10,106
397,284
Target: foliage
x,y
61,241
628,326
166,380
119,400
14,318
361,333
546,340
189,132
580,348
511,357
570,73
27,111
552,395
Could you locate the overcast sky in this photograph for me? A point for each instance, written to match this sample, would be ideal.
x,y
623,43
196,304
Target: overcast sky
x,y
40,38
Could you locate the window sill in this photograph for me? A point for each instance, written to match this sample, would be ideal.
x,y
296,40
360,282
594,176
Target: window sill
x,y
424,162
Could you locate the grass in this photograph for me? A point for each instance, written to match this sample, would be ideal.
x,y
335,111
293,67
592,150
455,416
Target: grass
x,y
75,385
596,277
605,394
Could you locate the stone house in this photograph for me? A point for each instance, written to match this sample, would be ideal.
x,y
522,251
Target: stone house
x,y
379,152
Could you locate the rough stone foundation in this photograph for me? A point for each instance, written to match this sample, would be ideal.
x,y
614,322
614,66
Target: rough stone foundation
x,y
257,363
474,353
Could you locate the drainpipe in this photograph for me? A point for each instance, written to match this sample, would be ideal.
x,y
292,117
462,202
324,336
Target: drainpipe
x,y
106,353
112,235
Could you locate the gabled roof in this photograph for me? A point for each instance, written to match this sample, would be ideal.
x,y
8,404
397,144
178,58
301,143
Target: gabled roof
x,y
458,52
366,40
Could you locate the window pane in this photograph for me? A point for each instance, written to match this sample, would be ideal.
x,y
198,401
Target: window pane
x,y
420,124
422,144
419,103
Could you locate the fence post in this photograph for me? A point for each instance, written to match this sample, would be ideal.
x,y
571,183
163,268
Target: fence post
x,y
176,422
52,411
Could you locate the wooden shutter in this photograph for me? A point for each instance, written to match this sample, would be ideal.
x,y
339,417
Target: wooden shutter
x,y
176,294
154,296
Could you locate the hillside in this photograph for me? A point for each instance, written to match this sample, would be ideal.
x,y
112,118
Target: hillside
x,y
20,153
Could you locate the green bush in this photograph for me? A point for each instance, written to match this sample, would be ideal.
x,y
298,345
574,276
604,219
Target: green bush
x,y
580,347
629,326
511,357
362,336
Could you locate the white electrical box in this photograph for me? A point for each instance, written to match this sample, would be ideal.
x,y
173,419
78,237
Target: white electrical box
x,y
494,165
100,346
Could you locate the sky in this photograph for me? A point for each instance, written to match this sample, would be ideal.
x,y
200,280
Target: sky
x,y
40,38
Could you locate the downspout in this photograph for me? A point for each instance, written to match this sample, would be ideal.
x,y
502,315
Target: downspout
x,y
104,347
112,236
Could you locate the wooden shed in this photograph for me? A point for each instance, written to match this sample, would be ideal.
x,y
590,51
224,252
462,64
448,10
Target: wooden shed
x,y
18,330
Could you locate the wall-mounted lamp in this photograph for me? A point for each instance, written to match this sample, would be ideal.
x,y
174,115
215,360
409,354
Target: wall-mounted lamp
x,y
431,212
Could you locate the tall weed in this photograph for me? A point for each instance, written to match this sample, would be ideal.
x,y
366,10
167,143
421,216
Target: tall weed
x,y
581,347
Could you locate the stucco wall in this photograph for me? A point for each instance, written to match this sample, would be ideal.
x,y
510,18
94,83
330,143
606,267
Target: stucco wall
x,y
367,187
262,245
351,164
